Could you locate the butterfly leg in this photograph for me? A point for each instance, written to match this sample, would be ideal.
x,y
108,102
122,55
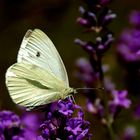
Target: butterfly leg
x,y
71,98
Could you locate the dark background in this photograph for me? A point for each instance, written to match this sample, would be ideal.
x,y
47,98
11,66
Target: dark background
x,y
57,18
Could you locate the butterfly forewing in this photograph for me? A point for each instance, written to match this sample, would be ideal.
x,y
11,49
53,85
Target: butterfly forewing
x,y
36,48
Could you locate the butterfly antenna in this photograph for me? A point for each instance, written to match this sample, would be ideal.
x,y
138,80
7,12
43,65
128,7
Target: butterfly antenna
x,y
100,88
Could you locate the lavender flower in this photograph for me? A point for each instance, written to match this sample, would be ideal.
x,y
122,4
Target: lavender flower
x,y
128,51
12,127
134,18
9,124
91,20
30,124
119,100
96,18
85,72
129,45
100,47
60,123
108,84
96,108
129,48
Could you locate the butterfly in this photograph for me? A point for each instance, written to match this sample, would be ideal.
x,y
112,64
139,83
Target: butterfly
x,y
39,77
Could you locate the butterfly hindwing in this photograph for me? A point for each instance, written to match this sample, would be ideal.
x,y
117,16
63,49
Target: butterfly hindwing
x,y
30,85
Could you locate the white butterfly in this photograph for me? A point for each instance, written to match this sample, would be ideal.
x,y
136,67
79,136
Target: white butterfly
x,y
39,76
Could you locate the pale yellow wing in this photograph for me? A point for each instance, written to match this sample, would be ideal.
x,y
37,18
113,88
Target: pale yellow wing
x,y
37,49
30,85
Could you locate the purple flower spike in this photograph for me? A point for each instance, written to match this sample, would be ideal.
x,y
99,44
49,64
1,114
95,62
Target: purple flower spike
x,y
85,72
18,138
119,100
40,138
75,128
103,44
2,137
134,18
97,16
100,46
96,108
60,123
82,21
85,45
66,108
8,119
106,17
31,121
108,84
83,134
14,128
129,46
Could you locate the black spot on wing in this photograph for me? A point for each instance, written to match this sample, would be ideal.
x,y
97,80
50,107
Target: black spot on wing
x,y
38,54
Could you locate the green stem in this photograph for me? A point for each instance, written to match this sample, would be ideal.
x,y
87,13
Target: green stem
x,y
105,99
111,132
108,117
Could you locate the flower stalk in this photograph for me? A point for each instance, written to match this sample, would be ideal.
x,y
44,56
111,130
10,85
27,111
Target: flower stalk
x,y
96,18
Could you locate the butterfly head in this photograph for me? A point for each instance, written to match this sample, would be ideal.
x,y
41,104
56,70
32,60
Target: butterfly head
x,y
73,91
67,92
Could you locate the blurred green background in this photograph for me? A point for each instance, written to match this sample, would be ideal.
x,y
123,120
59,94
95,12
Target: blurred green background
x,y
57,18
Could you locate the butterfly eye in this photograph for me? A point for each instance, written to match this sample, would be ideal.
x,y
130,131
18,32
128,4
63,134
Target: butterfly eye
x,y
38,54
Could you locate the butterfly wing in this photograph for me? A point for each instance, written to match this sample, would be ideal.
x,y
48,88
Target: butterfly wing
x,y
37,49
30,85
